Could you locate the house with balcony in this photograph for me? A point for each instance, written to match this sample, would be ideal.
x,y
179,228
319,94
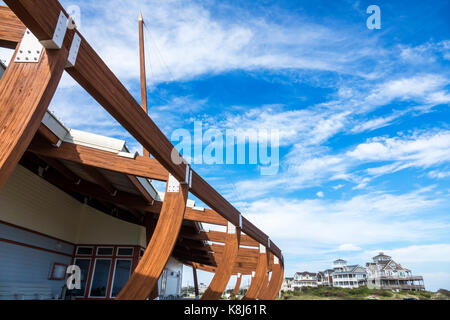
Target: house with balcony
x,y
325,278
385,273
345,276
304,279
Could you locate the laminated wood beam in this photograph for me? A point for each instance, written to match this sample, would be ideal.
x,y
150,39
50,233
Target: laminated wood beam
x,y
275,283
61,168
147,273
194,271
225,265
144,193
244,270
206,216
99,81
26,90
259,278
140,166
101,180
237,286
217,236
48,135
92,190
11,28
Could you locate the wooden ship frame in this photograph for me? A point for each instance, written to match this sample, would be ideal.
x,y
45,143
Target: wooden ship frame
x,y
44,48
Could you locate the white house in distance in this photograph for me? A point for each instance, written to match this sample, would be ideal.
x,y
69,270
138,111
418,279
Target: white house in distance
x,y
385,273
305,279
345,276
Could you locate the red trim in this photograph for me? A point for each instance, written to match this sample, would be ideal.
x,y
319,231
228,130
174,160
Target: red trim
x,y
36,232
34,247
52,277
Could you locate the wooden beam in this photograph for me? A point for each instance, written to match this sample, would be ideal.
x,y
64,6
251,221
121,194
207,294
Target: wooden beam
x,y
144,193
26,90
97,79
217,236
92,190
147,273
194,271
259,278
11,28
142,167
61,168
275,283
244,270
206,216
48,135
225,265
100,179
237,286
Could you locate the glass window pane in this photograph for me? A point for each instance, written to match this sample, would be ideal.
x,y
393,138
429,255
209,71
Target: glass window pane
x,y
125,251
105,251
84,267
100,278
121,275
84,251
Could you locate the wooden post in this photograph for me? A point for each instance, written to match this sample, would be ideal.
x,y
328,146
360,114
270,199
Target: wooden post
x,y
237,286
275,281
194,270
144,103
260,275
225,265
26,90
147,273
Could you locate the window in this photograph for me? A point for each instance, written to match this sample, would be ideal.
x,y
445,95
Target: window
x,y
122,273
105,251
85,251
100,278
125,252
84,265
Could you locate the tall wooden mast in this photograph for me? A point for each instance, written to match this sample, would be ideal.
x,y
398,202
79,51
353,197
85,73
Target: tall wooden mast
x,y
143,74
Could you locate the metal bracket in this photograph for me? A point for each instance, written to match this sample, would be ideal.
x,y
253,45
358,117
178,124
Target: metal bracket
x,y
262,249
60,32
268,243
73,53
240,221
188,179
231,228
276,260
30,49
173,185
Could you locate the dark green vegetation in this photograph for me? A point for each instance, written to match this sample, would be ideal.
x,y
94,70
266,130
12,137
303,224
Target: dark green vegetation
x,y
362,293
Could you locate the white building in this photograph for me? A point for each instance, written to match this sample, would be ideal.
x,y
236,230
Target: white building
x,y
385,273
304,279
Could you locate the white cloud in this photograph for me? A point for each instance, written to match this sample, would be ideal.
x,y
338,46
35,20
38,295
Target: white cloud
x,y
439,174
320,194
361,220
420,253
348,247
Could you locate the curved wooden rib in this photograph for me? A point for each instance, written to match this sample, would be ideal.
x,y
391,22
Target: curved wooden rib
x,y
226,265
147,273
237,286
275,281
260,275
26,90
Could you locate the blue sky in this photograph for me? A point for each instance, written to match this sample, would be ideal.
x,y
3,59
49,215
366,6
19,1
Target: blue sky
x,y
363,115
